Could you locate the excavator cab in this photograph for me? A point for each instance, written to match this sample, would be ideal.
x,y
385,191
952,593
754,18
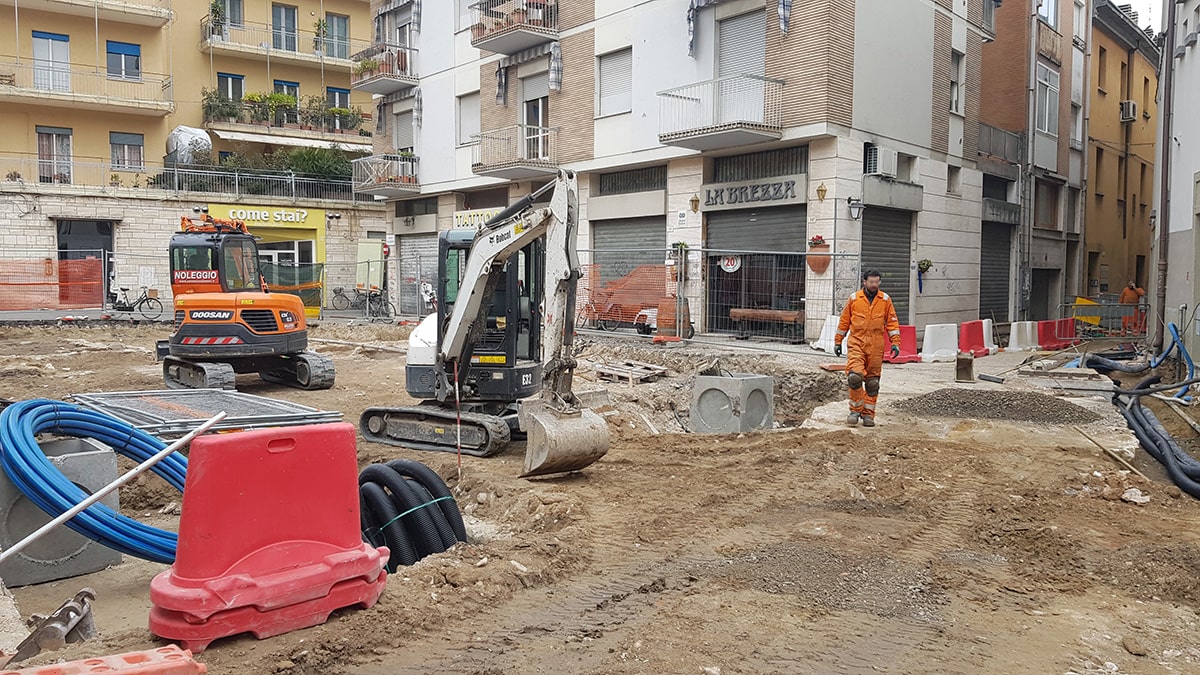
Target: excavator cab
x,y
214,263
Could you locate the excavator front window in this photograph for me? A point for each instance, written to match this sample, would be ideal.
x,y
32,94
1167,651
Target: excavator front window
x,y
191,258
239,266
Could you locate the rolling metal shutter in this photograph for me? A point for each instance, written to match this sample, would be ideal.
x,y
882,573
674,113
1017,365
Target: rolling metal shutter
x,y
403,137
535,87
623,244
742,45
995,260
418,262
779,229
887,247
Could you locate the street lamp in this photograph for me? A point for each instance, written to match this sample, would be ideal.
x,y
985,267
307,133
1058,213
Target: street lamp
x,y
856,207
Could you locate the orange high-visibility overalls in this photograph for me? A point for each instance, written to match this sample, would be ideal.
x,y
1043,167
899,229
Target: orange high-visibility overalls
x,y
872,326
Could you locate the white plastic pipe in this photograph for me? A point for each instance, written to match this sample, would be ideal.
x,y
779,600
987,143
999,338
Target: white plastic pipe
x,y
104,491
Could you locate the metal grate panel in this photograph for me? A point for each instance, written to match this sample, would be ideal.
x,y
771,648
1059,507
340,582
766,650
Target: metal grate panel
x,y
176,412
179,314
260,320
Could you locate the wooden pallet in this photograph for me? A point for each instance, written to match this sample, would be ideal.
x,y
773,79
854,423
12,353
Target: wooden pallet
x,y
631,372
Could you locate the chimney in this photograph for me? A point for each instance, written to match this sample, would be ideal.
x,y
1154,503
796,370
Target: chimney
x,y
1127,10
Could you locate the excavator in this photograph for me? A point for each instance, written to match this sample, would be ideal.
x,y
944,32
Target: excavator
x,y
226,320
495,360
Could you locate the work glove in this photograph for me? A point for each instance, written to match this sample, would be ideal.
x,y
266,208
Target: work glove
x,y
895,352
837,350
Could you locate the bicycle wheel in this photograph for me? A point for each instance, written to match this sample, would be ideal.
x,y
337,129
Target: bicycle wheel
x,y
340,302
151,308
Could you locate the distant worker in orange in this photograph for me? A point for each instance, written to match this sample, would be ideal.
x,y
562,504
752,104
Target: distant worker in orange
x,y
1132,320
870,318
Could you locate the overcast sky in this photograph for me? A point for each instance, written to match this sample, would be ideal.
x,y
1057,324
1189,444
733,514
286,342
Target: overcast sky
x,y
1149,12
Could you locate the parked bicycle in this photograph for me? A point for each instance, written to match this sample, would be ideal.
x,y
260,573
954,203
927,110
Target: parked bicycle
x,y
147,304
373,302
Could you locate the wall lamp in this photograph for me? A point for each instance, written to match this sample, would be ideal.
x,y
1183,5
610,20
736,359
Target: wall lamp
x,y
695,203
821,192
856,207
333,216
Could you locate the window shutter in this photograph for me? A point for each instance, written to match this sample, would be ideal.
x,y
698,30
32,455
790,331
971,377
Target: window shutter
x,y
616,82
404,130
742,45
118,138
535,86
468,118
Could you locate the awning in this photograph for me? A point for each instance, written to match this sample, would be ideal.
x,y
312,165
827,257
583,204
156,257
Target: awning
x,y
291,140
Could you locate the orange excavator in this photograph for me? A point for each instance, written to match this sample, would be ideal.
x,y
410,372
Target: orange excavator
x,y
226,320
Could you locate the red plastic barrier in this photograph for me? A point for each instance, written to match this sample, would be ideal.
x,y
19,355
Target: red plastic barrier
x,y
269,538
908,347
165,661
1048,339
970,339
1066,332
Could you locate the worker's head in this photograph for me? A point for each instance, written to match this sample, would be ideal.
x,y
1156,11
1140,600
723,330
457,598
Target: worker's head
x,y
871,278
1132,285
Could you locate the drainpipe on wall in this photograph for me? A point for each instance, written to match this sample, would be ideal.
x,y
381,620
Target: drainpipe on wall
x,y
1166,109
1027,183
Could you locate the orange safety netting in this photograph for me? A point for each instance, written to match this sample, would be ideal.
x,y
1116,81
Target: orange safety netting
x,y
622,299
51,284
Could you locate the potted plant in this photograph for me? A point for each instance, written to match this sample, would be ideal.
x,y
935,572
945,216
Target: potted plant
x,y
336,119
320,32
283,109
366,68
518,16
256,105
13,176
216,19
218,107
477,31
137,180
818,257
114,180
312,115
923,266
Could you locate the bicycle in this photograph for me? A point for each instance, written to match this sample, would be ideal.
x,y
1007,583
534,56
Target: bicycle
x,y
380,307
341,301
147,304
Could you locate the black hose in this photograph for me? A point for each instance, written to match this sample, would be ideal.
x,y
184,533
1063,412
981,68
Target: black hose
x,y
1103,364
417,495
1183,469
418,524
384,520
437,487
1146,391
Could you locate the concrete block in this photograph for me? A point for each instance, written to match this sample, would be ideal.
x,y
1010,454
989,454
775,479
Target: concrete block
x,y
733,404
828,332
941,342
1023,336
62,553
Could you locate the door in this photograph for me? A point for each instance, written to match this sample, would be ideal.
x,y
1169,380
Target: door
x,y
1040,294
283,27
83,246
288,115
741,51
418,273
337,41
621,246
51,61
54,154
887,247
535,90
995,268
337,98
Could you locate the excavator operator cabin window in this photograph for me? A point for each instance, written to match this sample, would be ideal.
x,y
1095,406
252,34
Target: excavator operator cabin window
x,y
456,260
240,266
194,258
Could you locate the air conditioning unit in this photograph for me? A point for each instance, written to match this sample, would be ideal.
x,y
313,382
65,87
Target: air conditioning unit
x,y
1128,111
881,161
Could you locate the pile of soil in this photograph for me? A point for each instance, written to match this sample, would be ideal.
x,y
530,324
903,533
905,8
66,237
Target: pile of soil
x,y
1009,406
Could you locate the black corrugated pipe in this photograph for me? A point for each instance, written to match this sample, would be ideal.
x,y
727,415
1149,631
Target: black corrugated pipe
x,y
1183,469
408,508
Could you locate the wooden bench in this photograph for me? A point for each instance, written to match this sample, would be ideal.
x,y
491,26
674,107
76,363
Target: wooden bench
x,y
792,321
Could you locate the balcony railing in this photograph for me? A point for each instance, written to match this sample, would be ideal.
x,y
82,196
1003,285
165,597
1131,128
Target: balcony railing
x,y
1000,144
521,151
325,120
384,69
1049,42
282,43
386,175
509,26
728,111
27,173
85,87
141,12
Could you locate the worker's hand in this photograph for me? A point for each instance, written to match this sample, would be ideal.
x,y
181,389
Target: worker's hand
x,y
895,352
837,350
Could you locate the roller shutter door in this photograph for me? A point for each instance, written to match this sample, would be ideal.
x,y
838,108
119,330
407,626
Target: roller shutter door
x,y
418,263
779,229
887,247
771,271
621,245
995,260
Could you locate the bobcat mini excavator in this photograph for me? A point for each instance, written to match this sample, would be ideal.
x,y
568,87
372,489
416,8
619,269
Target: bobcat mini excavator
x,y
226,321
496,357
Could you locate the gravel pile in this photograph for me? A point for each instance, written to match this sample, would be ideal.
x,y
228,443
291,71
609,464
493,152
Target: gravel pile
x,y
998,405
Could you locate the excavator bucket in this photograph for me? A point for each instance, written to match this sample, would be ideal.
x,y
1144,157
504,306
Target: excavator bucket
x,y
560,441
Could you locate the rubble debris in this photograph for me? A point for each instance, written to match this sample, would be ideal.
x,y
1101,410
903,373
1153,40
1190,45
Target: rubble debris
x,y
1135,496
1010,406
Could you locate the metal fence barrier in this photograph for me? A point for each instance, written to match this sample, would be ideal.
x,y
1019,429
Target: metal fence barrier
x,y
1106,319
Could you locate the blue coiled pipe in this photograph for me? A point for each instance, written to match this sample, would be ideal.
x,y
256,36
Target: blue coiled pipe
x,y
34,475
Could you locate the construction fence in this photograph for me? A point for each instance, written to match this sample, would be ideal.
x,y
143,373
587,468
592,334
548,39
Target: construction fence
x,y
1106,318
60,280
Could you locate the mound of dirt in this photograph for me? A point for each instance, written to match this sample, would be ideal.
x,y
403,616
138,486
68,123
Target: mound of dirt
x,y
997,405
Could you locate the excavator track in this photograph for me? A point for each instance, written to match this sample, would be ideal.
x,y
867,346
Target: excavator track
x,y
430,427
306,370
182,374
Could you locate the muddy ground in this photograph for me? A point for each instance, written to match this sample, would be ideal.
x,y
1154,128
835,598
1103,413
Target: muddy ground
x,y
926,545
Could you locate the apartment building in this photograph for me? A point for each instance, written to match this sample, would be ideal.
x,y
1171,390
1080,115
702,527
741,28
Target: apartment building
x,y
117,112
1177,174
1122,132
1034,125
727,126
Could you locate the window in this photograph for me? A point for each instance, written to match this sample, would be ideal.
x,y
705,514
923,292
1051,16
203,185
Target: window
x,y
1080,23
231,86
337,98
535,91
54,154
989,15
1073,210
234,15
615,87
1124,81
1076,126
1047,100
402,132
633,180
1048,11
468,118
124,60
292,115
1098,190
954,180
283,27
337,36
1102,70
906,168
1146,96
126,151
1142,183
51,61
418,207
1047,206
956,82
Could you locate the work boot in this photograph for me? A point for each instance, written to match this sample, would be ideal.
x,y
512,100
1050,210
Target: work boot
x,y
868,421
852,420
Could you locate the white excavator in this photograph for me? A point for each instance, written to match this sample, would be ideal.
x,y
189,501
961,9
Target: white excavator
x,y
495,360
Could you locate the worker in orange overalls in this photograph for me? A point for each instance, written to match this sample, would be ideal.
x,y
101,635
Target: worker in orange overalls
x,y
870,318
1132,295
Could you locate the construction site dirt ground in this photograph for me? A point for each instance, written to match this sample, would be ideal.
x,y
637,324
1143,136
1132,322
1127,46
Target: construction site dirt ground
x,y
932,543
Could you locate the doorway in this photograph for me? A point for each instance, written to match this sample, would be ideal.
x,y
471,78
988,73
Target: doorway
x,y
83,248
1041,296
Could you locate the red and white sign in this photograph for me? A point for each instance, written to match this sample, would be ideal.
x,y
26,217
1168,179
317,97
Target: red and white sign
x,y
195,275
731,263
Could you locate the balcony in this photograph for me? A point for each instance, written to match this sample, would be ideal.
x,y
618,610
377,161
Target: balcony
x,y
1001,144
511,26
1000,211
384,69
265,122
62,86
291,46
722,113
155,13
1049,42
386,175
517,152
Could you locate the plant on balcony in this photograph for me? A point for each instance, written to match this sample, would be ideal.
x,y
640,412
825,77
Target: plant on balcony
x,y
366,68
283,109
216,18
13,176
518,16
818,254
312,114
217,106
477,31
345,119
114,180
257,107
320,32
